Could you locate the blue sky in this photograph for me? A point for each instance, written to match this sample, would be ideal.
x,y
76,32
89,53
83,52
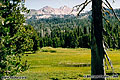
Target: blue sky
x,y
37,4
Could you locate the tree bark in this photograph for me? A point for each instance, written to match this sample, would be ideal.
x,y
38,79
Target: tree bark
x,y
97,50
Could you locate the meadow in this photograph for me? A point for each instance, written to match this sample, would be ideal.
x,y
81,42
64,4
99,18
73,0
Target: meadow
x,y
65,64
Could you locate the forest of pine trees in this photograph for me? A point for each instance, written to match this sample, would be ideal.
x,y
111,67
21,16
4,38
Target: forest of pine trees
x,y
73,32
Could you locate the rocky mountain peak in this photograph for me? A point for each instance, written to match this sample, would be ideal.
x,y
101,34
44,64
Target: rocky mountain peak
x,y
48,11
64,7
47,7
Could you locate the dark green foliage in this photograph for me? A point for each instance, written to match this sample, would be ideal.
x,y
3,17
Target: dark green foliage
x,y
15,38
62,32
73,32
113,29
48,50
32,34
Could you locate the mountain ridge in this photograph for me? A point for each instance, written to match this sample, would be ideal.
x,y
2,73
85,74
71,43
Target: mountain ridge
x,y
47,12
61,12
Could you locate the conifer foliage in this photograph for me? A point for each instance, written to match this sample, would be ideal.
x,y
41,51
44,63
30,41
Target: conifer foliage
x,y
15,37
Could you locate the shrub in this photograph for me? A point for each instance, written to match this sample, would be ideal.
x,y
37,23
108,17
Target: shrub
x,y
48,49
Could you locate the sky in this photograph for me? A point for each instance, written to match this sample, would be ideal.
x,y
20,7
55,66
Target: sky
x,y
37,4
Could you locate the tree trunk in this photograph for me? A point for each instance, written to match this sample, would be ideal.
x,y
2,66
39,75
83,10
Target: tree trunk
x,y
97,50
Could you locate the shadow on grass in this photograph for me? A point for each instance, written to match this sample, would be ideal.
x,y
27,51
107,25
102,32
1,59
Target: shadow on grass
x,y
75,64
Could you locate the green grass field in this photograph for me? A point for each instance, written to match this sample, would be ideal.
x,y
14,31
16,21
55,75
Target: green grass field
x,y
64,64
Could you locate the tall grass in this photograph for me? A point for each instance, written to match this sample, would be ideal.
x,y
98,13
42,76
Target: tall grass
x,y
64,64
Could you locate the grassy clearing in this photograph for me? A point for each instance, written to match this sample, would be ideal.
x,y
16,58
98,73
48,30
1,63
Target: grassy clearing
x,y
63,64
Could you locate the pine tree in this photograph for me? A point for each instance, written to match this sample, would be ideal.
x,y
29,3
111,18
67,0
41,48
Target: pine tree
x,y
15,38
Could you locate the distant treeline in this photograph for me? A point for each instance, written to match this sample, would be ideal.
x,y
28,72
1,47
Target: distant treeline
x,y
74,32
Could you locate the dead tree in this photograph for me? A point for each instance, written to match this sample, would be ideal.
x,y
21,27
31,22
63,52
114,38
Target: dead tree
x,y
98,53
97,50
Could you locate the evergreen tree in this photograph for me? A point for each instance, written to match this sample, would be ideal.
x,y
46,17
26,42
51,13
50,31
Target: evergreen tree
x,y
15,37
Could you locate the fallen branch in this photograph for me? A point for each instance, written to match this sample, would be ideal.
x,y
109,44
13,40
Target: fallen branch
x,y
109,61
106,62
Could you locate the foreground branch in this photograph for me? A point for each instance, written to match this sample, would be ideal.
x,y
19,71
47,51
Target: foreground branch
x,y
83,7
112,10
78,7
109,61
106,62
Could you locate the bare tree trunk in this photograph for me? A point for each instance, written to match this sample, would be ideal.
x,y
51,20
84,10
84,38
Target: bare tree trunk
x,y
97,50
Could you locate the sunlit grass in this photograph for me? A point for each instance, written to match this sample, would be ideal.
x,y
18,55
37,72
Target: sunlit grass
x,y
64,64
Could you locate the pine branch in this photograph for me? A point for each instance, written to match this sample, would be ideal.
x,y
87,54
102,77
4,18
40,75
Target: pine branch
x,y
109,61
107,34
112,10
105,10
107,57
83,7
106,63
78,7
106,5
80,4
105,45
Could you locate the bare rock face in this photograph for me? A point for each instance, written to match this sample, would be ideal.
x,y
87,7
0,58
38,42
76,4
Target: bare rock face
x,y
64,10
47,12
